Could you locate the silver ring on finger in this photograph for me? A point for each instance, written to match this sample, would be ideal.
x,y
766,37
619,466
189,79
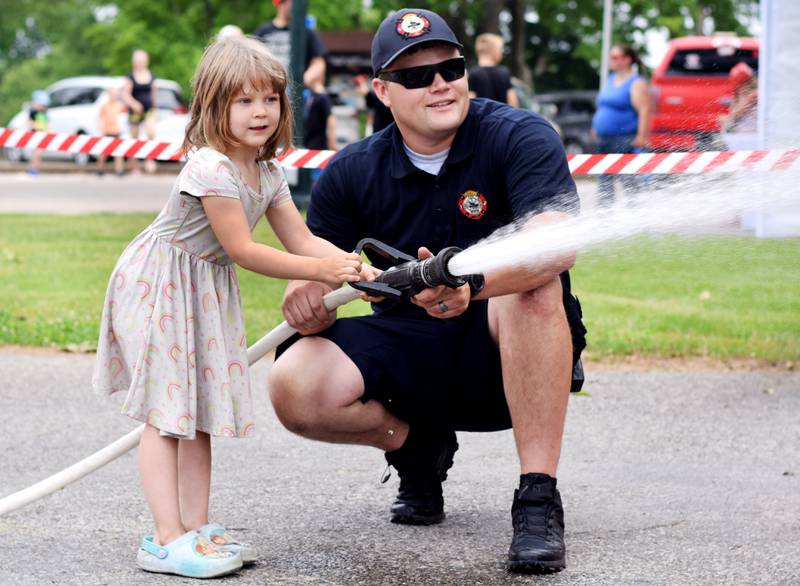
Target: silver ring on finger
x,y
443,307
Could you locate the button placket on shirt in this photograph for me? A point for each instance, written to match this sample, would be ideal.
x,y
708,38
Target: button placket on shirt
x,y
439,196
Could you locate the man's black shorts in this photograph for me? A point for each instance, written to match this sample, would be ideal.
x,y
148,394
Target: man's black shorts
x,y
431,371
426,370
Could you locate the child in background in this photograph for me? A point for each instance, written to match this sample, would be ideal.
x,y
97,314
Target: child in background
x,y
109,125
172,334
320,124
743,114
489,79
37,121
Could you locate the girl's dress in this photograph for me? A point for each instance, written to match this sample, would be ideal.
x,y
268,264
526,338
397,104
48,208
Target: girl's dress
x,y
172,332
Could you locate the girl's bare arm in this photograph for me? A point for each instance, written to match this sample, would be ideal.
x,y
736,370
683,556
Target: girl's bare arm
x,y
230,226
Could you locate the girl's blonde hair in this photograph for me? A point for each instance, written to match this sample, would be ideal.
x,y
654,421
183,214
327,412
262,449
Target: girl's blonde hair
x,y
226,67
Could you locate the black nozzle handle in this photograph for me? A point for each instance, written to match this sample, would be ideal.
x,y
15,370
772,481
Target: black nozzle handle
x,y
408,275
390,253
434,272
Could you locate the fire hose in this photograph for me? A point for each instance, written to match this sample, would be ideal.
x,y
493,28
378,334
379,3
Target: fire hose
x,y
405,278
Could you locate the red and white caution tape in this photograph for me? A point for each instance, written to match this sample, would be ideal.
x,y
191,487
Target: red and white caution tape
x,y
133,148
606,164
90,145
683,163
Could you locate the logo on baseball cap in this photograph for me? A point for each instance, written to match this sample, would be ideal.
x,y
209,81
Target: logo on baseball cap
x,y
405,28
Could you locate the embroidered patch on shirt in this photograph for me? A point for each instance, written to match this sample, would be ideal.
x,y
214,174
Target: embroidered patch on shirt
x,y
472,204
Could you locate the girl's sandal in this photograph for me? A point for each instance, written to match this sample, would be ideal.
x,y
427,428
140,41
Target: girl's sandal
x,y
190,555
218,535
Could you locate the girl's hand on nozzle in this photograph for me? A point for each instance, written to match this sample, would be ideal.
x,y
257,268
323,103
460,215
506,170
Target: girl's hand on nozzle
x,y
369,273
336,269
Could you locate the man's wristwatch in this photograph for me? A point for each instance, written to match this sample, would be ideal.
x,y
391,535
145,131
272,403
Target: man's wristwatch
x,y
476,284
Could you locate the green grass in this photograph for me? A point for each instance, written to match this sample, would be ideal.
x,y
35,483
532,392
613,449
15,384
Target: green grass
x,y
54,271
645,297
721,297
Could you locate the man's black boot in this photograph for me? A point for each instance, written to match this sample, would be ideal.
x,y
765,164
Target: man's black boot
x,y
422,463
538,518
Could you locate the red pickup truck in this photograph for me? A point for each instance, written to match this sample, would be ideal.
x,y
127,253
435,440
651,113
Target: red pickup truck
x,y
691,90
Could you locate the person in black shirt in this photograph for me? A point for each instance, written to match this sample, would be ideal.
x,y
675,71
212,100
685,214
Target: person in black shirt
x,y
489,79
320,124
500,351
378,115
381,115
276,36
139,93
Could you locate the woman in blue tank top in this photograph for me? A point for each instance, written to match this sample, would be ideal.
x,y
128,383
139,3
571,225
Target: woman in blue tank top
x,y
621,122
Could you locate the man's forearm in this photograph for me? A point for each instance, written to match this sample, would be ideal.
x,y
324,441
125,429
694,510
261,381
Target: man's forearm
x,y
522,279
518,279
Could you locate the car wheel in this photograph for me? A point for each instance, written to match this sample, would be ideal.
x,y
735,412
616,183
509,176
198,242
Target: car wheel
x,y
81,159
15,155
573,147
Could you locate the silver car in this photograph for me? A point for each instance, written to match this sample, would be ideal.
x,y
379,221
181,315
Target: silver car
x,y
74,108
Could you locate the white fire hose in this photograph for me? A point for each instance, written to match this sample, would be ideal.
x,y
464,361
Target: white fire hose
x,y
127,442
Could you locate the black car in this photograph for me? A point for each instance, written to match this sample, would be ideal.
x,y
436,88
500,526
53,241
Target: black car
x,y
573,112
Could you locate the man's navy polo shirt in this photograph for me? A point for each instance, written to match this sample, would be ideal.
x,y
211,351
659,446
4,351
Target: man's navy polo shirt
x,y
504,163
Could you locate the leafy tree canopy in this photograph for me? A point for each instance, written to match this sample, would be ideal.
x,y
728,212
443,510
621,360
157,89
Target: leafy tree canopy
x,y
42,41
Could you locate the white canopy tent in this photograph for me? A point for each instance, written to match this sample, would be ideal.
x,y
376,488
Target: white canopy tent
x,y
779,101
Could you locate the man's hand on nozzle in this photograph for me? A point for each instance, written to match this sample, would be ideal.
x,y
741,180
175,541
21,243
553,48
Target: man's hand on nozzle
x,y
441,302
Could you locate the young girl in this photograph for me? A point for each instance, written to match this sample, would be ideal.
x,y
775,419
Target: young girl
x,y
172,334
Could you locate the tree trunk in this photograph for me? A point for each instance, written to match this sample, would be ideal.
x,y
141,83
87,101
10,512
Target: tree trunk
x,y
458,24
491,17
209,13
702,12
519,66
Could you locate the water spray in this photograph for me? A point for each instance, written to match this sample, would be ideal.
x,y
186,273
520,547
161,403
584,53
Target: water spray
x,y
691,207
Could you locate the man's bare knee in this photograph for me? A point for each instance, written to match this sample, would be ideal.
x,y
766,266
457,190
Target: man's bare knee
x,y
517,310
544,301
310,382
291,393
287,399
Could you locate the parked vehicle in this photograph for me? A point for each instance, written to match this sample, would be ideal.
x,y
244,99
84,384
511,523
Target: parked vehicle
x,y
527,101
691,90
75,105
573,112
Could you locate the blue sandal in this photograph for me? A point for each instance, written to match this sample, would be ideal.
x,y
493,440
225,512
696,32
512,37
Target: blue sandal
x,y
218,535
190,555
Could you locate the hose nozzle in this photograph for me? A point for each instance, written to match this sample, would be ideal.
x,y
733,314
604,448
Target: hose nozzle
x,y
409,275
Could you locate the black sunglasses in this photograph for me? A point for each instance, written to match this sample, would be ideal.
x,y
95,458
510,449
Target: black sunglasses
x,y
422,76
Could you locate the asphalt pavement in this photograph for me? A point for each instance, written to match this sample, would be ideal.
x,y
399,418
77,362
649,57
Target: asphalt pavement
x,y
667,478
83,193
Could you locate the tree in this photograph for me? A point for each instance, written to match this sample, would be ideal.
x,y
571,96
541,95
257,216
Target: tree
x,y
42,41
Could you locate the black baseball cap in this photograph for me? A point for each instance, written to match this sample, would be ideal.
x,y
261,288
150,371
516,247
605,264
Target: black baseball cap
x,y
405,28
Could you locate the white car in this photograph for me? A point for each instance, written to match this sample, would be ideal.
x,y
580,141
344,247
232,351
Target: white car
x,y
74,108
